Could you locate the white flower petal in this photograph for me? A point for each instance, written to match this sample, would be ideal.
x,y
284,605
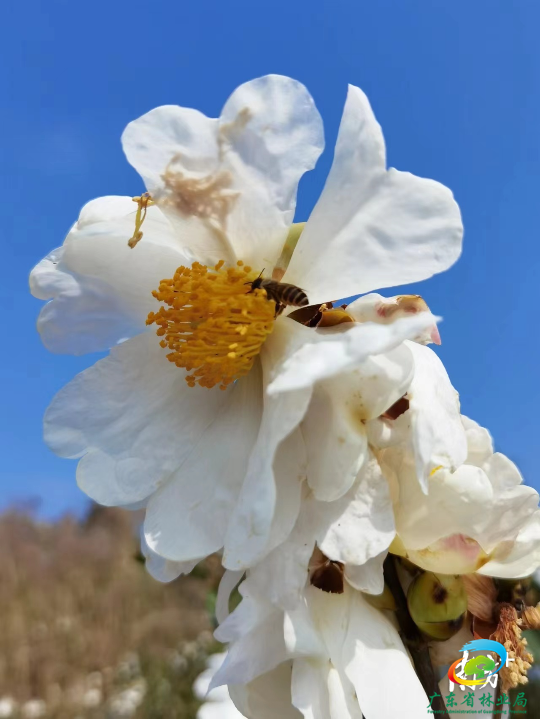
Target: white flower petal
x,y
163,570
217,703
202,682
47,281
281,576
455,554
396,227
83,315
252,611
270,133
251,160
513,502
100,289
227,584
438,436
302,636
335,424
383,432
189,515
250,528
310,688
321,692
245,661
367,577
457,503
353,530
372,650
343,697
336,445
385,310
362,523
479,442
290,466
503,473
151,141
135,416
267,696
185,142
97,247
219,710
251,523
466,516
336,350
519,558
364,644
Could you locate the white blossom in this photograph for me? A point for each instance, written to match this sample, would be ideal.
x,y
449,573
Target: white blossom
x,y
224,469
478,518
288,447
329,657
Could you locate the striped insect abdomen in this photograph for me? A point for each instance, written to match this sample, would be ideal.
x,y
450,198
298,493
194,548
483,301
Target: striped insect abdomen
x,y
284,293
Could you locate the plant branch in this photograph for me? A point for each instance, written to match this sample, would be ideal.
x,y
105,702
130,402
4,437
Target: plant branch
x,y
413,639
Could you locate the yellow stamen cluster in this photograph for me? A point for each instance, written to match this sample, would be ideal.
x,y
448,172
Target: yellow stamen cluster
x,y
530,617
508,633
212,322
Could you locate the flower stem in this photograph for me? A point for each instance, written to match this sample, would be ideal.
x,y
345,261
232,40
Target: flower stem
x,y
413,639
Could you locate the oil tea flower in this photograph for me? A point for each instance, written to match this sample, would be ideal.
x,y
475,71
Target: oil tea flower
x,y
199,424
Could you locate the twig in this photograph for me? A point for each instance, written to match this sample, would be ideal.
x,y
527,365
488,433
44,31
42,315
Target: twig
x,y
414,640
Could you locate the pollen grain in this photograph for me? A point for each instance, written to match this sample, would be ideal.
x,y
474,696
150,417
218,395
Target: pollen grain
x,y
212,323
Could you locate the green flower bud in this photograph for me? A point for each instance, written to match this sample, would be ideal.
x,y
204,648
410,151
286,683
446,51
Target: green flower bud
x,y
437,604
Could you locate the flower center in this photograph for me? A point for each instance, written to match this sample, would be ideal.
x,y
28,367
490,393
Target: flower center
x,y
213,324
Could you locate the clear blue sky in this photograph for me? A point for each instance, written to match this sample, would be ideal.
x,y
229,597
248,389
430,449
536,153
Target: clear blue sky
x,y
454,85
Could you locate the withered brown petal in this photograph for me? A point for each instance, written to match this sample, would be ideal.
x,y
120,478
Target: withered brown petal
x,y
329,577
309,316
397,409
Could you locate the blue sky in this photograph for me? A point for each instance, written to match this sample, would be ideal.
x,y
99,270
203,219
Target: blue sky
x,y
454,85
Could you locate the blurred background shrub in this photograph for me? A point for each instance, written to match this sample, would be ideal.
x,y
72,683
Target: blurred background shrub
x,y
86,633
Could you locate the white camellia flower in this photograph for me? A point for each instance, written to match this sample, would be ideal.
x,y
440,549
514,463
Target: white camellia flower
x,y
201,424
357,528
478,518
317,651
328,658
